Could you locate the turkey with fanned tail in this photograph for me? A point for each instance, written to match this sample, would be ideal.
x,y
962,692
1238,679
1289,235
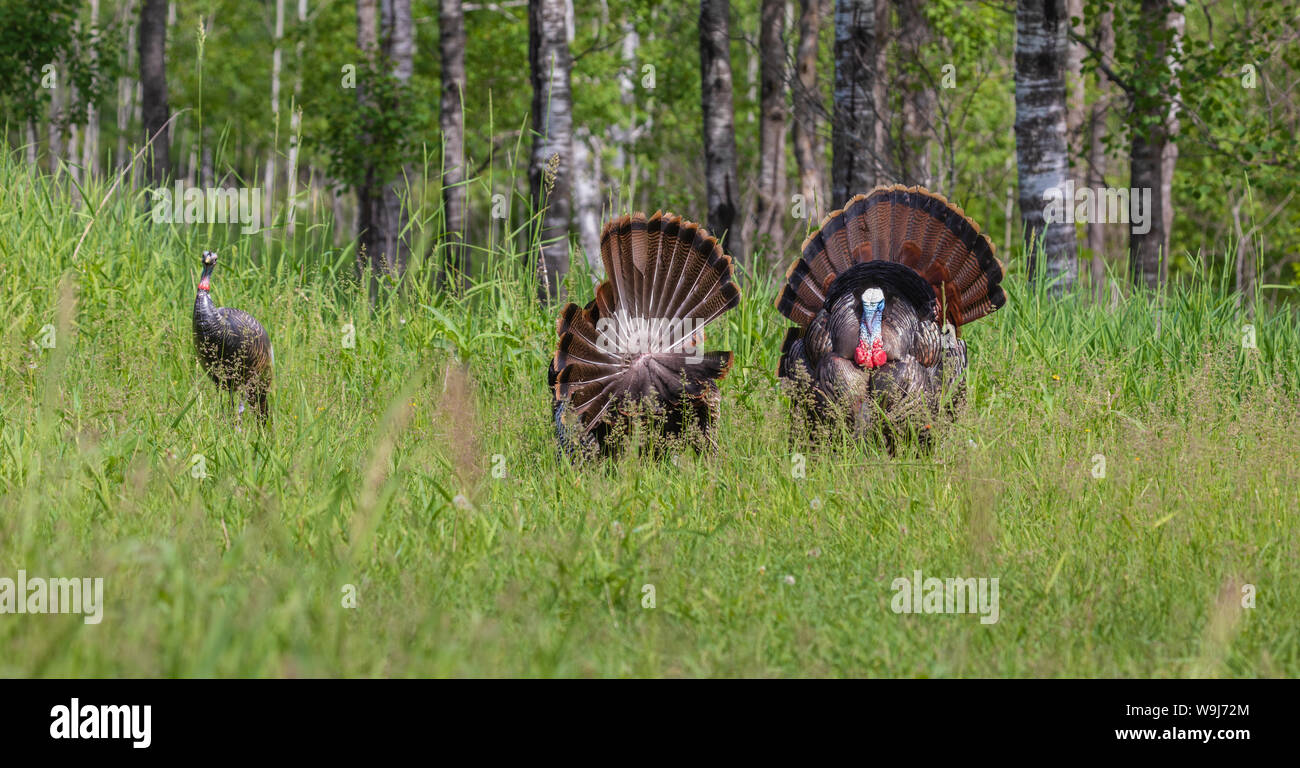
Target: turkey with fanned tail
x,y
879,295
632,355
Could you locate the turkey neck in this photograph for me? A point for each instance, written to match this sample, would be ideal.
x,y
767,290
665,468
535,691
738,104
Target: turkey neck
x,y
205,313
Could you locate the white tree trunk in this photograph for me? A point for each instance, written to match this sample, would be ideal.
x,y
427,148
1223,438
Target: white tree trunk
x,y
1041,147
551,169
295,128
587,198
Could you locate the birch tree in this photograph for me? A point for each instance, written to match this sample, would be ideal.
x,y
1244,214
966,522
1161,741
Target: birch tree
x,y
770,208
451,108
1041,146
722,187
809,151
550,172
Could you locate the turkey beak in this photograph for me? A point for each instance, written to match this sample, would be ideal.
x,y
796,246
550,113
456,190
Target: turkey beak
x,y
209,261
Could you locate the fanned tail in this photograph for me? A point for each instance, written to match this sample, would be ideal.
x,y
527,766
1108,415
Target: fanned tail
x,y
667,280
906,225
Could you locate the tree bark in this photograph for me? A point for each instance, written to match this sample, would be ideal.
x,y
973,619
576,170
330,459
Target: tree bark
x,y
1148,251
586,197
1074,83
126,88
913,151
1177,24
269,174
770,208
1041,146
90,141
54,127
854,137
809,151
153,82
295,128
381,216
1097,160
451,118
720,177
550,173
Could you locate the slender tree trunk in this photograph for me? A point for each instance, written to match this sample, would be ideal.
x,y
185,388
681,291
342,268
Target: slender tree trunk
x,y
269,170
918,97
90,148
1074,83
126,88
1245,259
1177,23
54,128
586,197
32,144
625,132
853,132
295,128
1148,257
721,179
1097,160
153,82
550,173
451,40
809,152
382,217
768,213
1041,147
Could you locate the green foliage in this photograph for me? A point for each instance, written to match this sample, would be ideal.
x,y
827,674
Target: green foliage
x,y
379,475
42,46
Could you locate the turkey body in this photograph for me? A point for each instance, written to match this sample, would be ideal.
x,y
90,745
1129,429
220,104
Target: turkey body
x,y
630,358
234,350
932,270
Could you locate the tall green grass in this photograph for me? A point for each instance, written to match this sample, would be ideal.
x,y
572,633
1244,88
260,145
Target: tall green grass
x,y
420,468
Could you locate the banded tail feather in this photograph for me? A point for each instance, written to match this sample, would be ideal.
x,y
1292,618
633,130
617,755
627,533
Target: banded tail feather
x,y
638,341
905,225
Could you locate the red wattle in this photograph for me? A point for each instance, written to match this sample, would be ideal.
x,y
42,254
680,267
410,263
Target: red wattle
x,y
877,354
203,285
870,357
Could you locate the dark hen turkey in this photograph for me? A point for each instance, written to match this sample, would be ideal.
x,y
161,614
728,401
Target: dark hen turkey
x,y
879,295
634,350
233,347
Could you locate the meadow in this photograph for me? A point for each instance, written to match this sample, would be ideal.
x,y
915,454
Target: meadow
x,y
411,467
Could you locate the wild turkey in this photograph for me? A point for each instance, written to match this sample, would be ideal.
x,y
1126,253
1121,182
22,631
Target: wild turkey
x,y
232,346
632,354
879,295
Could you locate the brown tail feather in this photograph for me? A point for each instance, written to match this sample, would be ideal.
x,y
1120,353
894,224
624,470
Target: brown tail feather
x,y
628,342
908,225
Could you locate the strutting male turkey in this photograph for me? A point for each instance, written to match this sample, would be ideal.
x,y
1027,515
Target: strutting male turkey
x,y
879,295
232,346
635,348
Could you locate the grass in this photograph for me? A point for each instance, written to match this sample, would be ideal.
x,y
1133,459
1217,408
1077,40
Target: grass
x,y
419,467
